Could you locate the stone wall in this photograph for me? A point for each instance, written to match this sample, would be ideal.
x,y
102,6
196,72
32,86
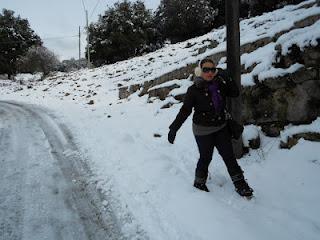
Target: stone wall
x,y
293,98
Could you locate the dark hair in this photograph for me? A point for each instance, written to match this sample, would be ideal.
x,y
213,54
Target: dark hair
x,y
203,61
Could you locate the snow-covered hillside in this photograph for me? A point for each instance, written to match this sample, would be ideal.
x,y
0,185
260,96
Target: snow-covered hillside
x,y
151,180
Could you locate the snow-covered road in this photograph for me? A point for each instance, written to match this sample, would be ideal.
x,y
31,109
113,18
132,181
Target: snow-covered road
x,y
45,188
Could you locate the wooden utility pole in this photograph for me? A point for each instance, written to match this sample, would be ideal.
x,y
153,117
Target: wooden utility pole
x,y
233,62
79,44
88,40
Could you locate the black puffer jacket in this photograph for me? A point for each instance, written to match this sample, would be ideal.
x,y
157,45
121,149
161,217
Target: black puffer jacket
x,y
199,98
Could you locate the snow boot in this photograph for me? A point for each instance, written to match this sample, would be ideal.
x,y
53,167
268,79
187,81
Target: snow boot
x,y
200,183
241,186
201,186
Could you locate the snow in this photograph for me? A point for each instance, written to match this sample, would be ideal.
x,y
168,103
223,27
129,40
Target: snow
x,y
308,36
262,57
291,129
28,77
182,90
151,180
278,72
250,132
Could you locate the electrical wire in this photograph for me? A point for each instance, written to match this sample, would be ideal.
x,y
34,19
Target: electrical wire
x,y
84,6
98,1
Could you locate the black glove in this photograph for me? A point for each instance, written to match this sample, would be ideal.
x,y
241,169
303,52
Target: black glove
x,y
171,136
224,75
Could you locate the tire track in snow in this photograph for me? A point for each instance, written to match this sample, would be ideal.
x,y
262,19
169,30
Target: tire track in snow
x,y
45,192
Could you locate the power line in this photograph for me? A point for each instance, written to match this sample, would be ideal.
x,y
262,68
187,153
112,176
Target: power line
x,y
98,1
84,6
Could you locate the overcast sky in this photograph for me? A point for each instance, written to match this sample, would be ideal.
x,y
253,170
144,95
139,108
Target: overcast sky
x,y
57,21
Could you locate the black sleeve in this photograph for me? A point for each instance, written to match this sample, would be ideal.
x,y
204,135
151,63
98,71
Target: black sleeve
x,y
232,90
184,112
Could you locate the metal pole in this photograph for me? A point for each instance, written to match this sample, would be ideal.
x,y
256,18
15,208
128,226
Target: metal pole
x,y
233,62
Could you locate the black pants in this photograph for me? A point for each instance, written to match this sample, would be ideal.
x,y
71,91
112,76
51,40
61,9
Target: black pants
x,y
222,141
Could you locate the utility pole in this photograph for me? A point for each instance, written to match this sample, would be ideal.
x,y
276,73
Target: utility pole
x,y
233,63
88,47
79,44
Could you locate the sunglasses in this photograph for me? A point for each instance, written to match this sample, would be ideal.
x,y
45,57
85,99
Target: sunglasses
x,y
206,69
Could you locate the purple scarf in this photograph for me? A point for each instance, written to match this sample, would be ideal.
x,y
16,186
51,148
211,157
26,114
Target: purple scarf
x,y
216,96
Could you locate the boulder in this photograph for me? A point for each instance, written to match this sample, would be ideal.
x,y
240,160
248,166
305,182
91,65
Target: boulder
x,y
255,143
293,140
163,92
272,129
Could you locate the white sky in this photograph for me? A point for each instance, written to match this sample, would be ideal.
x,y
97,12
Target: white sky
x,y
61,18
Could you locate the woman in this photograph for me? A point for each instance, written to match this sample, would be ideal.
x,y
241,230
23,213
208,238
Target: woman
x,y
208,98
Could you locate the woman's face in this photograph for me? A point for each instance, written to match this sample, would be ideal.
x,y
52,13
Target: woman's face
x,y
208,71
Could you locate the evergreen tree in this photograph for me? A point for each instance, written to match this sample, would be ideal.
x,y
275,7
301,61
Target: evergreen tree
x,y
16,37
124,31
179,20
219,6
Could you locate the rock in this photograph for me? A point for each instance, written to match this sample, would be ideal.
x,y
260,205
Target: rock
x,y
276,83
163,92
189,45
294,139
304,74
125,92
302,104
291,98
179,97
91,102
271,130
309,57
212,44
251,46
18,89
168,105
289,144
307,21
254,143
